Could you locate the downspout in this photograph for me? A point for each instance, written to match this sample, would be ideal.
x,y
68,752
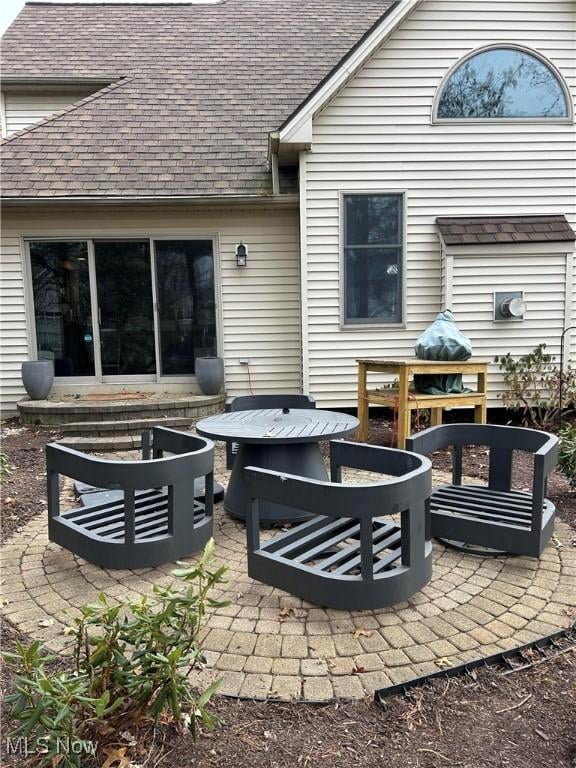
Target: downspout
x,y
446,275
273,147
273,143
302,185
3,127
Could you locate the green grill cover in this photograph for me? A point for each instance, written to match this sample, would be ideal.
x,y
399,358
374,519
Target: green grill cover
x,y
442,341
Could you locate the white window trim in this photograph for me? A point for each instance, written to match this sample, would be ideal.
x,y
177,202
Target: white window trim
x,y
435,120
156,378
376,326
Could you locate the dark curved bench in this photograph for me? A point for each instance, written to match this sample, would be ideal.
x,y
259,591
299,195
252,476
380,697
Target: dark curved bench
x,y
353,554
157,520
494,515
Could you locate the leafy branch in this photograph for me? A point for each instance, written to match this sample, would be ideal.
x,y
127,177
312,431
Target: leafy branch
x,y
133,663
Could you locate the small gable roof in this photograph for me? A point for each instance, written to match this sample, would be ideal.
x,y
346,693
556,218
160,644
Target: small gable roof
x,y
197,90
487,230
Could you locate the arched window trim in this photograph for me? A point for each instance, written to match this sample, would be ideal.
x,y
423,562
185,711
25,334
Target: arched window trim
x,y
531,52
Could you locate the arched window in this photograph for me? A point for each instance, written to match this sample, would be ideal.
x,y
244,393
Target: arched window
x,y
502,83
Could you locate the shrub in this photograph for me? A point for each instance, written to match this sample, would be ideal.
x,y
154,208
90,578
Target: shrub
x,y
132,663
533,387
5,469
567,458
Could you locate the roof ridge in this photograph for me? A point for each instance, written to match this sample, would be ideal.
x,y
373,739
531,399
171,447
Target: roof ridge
x,y
56,115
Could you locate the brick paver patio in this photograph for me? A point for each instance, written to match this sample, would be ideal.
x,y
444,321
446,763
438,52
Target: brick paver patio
x,y
268,644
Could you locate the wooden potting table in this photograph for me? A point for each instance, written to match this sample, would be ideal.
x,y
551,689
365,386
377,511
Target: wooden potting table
x,y
405,400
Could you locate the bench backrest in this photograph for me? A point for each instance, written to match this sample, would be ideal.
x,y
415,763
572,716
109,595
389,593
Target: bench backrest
x,y
406,493
501,441
192,457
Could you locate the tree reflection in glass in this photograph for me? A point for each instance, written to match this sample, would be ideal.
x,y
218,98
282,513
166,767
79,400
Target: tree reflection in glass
x,y
502,83
373,258
124,281
63,320
187,307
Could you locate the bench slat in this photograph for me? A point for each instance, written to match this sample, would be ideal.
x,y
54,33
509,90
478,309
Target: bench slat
x,y
320,535
295,534
491,507
309,554
107,506
351,549
451,510
390,541
512,499
105,521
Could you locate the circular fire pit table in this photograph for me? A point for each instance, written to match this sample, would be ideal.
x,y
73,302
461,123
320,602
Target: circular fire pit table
x,y
283,439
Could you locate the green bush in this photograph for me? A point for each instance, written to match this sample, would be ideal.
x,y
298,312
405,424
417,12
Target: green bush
x,y
567,458
132,665
533,387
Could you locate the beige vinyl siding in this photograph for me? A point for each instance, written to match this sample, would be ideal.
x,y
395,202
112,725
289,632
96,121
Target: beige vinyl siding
x,y
259,306
537,269
13,337
377,136
24,108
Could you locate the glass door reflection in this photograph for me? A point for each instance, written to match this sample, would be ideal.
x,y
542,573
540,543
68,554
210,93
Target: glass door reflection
x,y
186,304
126,317
62,311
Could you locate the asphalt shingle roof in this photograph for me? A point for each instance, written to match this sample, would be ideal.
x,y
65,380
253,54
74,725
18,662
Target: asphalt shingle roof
x,y
475,230
197,90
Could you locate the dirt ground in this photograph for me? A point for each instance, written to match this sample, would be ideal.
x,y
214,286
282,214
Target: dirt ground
x,y
526,719
24,491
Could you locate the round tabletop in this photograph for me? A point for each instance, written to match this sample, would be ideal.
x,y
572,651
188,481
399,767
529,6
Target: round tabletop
x,y
281,425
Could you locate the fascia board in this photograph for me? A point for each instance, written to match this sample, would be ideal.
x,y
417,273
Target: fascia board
x,y
299,128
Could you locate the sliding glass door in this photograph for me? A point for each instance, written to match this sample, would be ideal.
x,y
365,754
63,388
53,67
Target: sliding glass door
x,y
62,307
186,303
124,310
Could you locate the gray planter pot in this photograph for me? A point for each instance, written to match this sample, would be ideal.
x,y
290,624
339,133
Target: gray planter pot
x,y
38,377
210,374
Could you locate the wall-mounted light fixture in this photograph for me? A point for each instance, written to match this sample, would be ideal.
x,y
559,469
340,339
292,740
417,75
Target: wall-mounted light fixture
x,y
509,305
241,255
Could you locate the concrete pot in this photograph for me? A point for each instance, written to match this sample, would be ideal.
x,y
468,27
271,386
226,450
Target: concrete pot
x,y
210,374
38,377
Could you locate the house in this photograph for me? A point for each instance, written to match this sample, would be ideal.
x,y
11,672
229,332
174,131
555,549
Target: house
x,y
378,160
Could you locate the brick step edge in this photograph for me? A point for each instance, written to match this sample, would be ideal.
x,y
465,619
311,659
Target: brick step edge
x,y
126,427
118,443
44,413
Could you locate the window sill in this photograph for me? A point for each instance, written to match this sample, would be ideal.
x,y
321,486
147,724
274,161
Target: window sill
x,y
373,326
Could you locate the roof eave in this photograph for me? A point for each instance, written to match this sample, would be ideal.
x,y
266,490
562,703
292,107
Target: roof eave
x,y
229,200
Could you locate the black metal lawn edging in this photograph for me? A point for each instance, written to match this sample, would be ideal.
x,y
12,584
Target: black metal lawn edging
x,y
496,659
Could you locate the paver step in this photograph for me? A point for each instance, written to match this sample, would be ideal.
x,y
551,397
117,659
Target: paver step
x,y
125,427
111,443
51,413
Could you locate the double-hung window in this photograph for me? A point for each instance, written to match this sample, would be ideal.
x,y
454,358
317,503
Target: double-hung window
x,y
373,258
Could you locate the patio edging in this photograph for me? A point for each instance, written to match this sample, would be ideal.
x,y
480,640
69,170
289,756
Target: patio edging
x,y
466,667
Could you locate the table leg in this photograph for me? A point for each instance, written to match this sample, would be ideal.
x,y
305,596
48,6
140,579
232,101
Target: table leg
x,y
480,411
435,417
403,409
362,404
303,459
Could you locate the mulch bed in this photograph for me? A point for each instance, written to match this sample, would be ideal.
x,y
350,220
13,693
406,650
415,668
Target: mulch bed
x,y
523,720
24,491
